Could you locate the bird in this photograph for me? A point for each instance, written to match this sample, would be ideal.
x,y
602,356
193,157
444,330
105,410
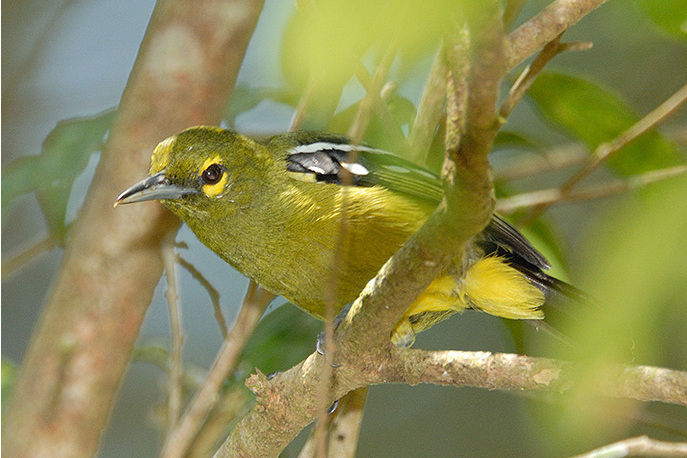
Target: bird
x,y
273,209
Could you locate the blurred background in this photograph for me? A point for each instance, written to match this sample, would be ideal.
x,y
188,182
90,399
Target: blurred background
x,y
66,59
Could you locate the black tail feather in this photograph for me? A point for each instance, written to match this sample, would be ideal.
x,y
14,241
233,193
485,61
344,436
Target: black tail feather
x,y
562,300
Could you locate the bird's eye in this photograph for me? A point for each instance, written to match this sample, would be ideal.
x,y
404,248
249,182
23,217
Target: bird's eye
x,y
212,174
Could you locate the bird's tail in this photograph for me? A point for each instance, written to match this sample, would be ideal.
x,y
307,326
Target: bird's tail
x,y
502,283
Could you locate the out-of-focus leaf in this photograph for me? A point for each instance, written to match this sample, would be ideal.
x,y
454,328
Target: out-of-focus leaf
x,y
380,134
157,354
51,174
244,99
283,337
669,15
9,374
594,115
154,354
435,157
639,279
515,140
326,42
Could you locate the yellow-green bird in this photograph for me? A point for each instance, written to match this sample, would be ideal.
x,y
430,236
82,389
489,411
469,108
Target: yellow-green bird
x,y
273,210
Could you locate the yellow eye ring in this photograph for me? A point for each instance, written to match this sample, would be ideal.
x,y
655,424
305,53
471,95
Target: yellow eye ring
x,y
215,176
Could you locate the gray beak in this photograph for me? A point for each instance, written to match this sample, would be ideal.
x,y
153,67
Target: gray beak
x,y
156,187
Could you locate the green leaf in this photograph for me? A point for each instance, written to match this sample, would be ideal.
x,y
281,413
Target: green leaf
x,y
51,174
515,140
592,114
9,374
669,15
638,276
245,98
386,134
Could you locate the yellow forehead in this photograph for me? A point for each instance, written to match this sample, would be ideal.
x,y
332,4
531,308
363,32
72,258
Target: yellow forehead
x,y
160,157
216,159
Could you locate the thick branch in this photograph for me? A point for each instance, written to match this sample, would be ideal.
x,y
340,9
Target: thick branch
x,y
186,67
288,403
501,371
279,418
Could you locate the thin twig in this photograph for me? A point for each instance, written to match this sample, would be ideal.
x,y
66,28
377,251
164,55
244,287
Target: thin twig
x,y
429,110
554,195
301,108
542,28
345,428
37,48
26,255
377,91
607,150
214,294
533,164
638,446
205,399
175,370
527,77
373,88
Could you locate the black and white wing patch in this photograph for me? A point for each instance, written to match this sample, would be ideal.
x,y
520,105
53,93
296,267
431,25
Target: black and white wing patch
x,y
328,162
358,165
332,159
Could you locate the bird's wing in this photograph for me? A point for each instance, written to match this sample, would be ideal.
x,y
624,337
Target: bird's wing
x,y
333,159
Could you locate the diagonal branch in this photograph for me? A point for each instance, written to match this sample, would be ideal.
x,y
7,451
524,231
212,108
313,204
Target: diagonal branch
x,y
605,151
543,28
525,80
638,446
553,196
181,437
493,371
289,401
502,371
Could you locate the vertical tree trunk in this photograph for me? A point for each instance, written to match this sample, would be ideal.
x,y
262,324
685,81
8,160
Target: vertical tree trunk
x,y
185,69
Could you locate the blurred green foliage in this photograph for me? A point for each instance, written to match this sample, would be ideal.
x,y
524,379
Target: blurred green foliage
x,y
669,15
8,375
633,257
594,115
51,174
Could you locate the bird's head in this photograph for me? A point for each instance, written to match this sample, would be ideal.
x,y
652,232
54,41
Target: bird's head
x,y
196,169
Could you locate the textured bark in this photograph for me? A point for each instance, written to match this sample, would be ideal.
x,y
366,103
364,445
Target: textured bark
x,y
185,70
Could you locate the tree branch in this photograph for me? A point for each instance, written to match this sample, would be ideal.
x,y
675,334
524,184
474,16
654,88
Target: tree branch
x,y
543,28
363,337
638,446
606,150
186,67
174,396
280,418
527,77
252,309
553,196
429,111
502,371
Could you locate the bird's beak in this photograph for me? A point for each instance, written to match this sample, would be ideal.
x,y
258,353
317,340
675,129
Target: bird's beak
x,y
155,187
